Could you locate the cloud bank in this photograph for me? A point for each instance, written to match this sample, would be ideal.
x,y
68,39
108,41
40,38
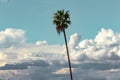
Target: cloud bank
x,y
92,59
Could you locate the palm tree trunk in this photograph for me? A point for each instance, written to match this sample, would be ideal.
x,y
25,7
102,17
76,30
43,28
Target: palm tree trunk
x,y
68,54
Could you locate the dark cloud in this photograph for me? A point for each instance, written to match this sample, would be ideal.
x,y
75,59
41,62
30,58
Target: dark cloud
x,y
100,66
23,65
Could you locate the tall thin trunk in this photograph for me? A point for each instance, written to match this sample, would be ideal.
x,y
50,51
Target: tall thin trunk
x,y
68,54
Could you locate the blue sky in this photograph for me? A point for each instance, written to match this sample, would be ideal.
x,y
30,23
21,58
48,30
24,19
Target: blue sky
x,y
35,17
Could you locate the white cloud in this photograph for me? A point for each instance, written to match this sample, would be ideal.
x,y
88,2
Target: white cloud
x,y
74,40
10,37
62,71
107,37
92,59
3,58
41,43
106,45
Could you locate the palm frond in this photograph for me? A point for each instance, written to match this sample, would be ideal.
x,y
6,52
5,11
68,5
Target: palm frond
x,y
61,19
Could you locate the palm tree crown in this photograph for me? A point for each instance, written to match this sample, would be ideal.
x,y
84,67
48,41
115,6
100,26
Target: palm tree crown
x,y
61,20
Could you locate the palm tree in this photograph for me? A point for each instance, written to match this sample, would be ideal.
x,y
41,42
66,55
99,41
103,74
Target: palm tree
x,y
62,19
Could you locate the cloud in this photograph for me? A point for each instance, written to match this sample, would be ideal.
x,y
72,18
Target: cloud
x,y
107,38
11,37
62,71
33,52
92,59
24,65
74,40
41,43
105,46
3,58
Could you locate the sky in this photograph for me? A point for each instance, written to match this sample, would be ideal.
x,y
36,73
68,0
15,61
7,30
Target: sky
x,y
35,17
29,43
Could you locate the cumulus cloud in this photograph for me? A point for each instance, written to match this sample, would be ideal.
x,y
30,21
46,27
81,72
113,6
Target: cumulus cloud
x,y
30,52
74,40
105,46
92,59
107,38
10,37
